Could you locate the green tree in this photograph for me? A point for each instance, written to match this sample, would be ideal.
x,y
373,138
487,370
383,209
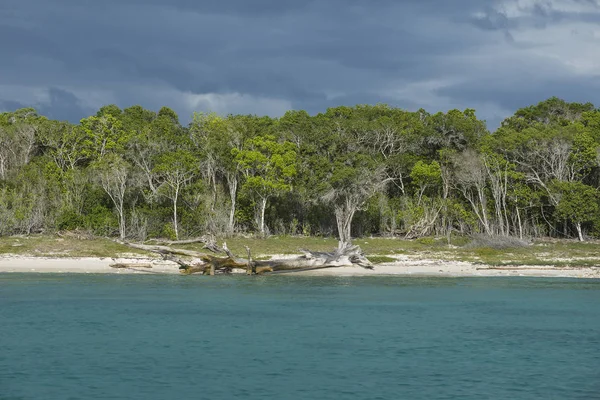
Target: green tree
x,y
578,203
64,143
268,167
425,176
215,137
104,134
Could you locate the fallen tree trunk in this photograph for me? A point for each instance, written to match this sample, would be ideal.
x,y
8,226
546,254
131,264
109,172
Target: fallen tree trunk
x,y
209,243
165,250
130,265
344,256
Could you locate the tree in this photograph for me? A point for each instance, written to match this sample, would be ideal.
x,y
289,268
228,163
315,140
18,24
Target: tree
x,y
18,132
470,177
63,142
114,173
268,167
215,137
338,171
425,176
457,130
175,169
350,189
577,203
553,111
104,133
150,136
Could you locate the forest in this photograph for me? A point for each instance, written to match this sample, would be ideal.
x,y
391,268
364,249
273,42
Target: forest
x,y
367,170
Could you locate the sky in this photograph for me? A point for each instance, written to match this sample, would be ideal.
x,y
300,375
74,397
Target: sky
x,y
67,58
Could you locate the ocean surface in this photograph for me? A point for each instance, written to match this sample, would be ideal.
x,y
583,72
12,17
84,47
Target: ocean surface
x,y
289,337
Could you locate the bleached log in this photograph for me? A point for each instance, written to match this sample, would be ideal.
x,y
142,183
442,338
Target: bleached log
x,y
345,255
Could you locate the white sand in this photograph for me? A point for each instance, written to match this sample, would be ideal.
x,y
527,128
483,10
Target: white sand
x,y
89,265
403,266
456,269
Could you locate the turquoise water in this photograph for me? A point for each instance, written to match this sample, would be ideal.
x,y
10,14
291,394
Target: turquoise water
x,y
285,337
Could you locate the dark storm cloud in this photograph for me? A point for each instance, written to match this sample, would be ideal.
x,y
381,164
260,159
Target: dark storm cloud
x,y
512,96
62,105
537,14
68,57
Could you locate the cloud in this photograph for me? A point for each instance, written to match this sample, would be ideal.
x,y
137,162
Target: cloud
x,y
264,56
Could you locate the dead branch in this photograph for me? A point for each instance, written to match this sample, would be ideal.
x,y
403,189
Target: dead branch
x,y
210,243
165,250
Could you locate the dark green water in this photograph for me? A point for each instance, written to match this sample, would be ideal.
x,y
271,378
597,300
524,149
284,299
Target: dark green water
x,y
282,337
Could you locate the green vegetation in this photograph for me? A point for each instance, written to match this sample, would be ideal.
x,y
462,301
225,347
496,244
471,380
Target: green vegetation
x,y
51,246
347,172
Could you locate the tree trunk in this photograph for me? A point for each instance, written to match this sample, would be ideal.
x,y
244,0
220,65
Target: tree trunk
x,y
483,203
343,217
520,223
579,232
175,227
121,223
232,182
263,206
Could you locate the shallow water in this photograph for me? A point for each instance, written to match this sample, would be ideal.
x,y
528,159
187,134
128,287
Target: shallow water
x,y
289,337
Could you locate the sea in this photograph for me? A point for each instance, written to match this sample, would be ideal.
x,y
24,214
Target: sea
x,y
86,336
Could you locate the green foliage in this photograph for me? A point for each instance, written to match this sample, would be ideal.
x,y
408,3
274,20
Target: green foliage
x,y
168,232
69,219
428,241
269,167
367,169
578,202
103,134
553,111
426,176
101,221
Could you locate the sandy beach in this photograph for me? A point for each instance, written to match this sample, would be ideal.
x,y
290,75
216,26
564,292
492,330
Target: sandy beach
x,y
85,265
403,266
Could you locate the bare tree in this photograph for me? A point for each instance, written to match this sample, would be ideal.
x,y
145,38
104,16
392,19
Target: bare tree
x,y
176,170
386,141
470,176
113,173
497,173
17,145
546,160
348,200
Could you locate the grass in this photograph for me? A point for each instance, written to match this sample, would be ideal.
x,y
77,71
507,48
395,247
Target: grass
x,y
53,246
381,259
559,253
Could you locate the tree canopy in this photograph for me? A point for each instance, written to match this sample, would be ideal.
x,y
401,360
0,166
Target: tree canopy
x,y
348,171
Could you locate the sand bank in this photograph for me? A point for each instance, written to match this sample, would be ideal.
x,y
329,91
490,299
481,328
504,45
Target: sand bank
x,y
409,267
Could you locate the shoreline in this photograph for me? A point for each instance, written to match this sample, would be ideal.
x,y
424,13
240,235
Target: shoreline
x,y
401,267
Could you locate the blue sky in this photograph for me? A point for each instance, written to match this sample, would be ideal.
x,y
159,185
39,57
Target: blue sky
x,y
69,57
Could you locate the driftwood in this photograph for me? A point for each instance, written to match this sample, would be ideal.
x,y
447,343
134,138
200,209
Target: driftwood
x,y
209,243
130,265
345,255
533,267
164,249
